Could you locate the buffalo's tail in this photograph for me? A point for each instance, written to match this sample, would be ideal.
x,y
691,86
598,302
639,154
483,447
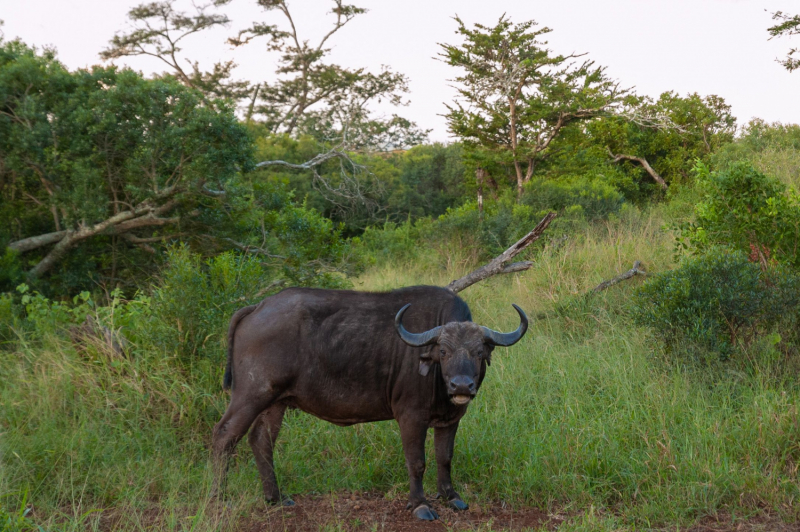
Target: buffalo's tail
x,y
227,380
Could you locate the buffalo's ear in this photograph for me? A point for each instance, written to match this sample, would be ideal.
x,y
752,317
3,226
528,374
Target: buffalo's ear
x,y
425,366
427,359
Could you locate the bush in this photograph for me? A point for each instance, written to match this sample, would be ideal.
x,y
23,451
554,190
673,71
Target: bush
x,y
191,306
773,149
745,210
596,199
718,301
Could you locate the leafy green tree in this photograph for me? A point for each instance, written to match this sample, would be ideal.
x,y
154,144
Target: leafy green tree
x,y
516,97
430,181
104,152
101,169
718,300
788,25
664,138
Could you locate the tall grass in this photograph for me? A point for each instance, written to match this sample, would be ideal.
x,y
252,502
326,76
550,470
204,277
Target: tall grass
x,y
584,413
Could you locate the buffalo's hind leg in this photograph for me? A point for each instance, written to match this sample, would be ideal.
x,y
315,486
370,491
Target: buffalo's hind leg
x,y
262,439
444,440
227,433
413,435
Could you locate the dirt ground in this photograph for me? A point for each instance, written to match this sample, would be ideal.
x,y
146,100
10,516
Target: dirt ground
x,y
368,512
372,512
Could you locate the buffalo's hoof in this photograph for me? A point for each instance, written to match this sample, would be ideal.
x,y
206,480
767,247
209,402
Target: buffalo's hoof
x,y
283,501
458,505
425,513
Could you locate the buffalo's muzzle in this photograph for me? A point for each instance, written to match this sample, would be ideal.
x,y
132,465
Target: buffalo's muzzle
x,y
461,389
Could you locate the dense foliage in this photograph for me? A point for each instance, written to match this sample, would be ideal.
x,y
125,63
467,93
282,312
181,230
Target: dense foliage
x,y
748,211
100,169
720,300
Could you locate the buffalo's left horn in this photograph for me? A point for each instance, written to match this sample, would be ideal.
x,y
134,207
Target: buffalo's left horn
x,y
507,339
415,339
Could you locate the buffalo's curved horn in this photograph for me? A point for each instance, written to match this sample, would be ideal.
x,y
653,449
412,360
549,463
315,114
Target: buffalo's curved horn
x,y
507,339
415,339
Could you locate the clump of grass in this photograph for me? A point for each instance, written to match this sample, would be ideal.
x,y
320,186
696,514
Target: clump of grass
x,y
583,413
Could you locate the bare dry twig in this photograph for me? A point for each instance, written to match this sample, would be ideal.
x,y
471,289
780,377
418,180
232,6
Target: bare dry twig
x,y
498,264
636,270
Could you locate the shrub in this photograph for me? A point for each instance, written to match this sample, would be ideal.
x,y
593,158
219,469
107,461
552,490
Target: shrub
x,y
194,300
718,301
596,199
748,211
771,148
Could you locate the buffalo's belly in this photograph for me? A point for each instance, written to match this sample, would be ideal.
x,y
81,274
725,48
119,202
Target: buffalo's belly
x,y
342,411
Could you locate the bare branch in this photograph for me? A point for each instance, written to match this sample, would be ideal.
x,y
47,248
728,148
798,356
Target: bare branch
x,y
498,264
641,160
636,270
308,165
141,215
33,242
247,248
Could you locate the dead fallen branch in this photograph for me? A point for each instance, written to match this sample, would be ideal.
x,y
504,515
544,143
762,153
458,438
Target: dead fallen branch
x,y
498,264
642,161
636,270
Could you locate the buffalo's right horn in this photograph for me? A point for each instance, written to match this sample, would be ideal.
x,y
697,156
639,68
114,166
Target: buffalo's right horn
x,y
507,339
415,339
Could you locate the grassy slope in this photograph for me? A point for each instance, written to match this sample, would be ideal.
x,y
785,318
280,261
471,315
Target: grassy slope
x,y
583,413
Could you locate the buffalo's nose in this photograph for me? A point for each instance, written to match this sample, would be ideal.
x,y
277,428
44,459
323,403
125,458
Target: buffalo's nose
x,y
462,385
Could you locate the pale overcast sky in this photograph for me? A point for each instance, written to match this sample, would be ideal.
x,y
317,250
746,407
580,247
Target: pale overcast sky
x,y
704,46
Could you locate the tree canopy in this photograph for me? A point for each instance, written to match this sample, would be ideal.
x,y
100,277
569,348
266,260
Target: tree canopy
x,y
99,167
516,96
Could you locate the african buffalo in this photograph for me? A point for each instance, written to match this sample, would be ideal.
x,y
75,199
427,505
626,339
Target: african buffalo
x,y
347,357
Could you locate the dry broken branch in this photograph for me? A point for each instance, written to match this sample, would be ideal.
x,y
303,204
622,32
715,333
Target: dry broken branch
x,y
498,264
636,270
308,165
641,160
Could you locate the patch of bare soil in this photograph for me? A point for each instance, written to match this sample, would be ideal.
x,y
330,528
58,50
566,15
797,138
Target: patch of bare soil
x,y
355,512
368,512
725,523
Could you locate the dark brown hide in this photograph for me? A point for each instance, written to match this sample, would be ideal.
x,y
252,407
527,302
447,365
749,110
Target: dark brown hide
x,y
336,355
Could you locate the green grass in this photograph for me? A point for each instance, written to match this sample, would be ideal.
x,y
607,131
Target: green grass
x,y
585,415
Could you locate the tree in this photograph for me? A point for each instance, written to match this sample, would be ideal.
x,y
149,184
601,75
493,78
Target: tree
x,y
157,30
326,100
788,25
665,137
516,97
311,98
101,170
104,153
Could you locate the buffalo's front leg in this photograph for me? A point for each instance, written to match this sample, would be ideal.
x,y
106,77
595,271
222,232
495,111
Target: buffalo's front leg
x,y
413,435
444,439
262,439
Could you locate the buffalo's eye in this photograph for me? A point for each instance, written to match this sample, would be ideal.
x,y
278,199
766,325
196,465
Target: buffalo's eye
x,y
443,352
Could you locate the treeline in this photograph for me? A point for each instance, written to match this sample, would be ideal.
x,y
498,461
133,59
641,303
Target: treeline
x,y
106,176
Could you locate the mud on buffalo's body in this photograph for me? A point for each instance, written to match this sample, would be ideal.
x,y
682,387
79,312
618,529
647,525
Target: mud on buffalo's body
x,y
348,357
